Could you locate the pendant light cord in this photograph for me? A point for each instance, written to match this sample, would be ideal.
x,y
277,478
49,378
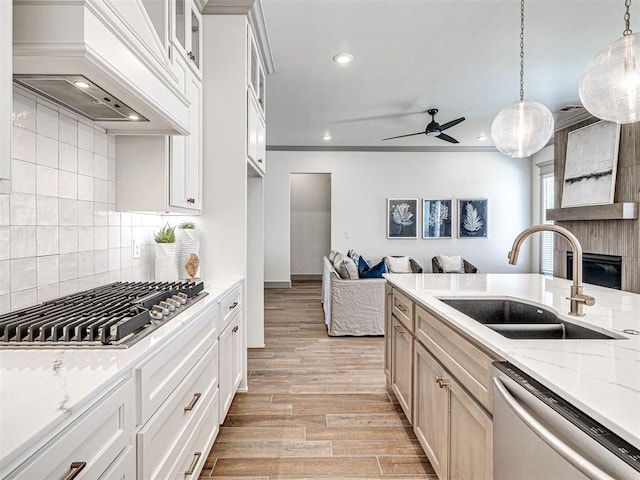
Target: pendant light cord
x,y
627,18
522,48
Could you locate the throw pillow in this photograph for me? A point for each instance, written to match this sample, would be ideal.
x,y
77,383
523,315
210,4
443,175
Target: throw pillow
x,y
353,255
371,272
398,264
346,268
453,264
332,255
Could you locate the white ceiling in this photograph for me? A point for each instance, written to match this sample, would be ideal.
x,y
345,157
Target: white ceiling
x,y
461,57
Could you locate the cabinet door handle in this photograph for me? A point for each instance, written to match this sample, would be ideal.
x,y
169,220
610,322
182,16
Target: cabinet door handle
x,y
442,381
191,200
76,468
192,467
259,160
260,101
192,404
233,305
235,329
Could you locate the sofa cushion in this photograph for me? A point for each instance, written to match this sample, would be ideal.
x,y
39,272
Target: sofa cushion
x,y
451,264
365,271
346,268
398,264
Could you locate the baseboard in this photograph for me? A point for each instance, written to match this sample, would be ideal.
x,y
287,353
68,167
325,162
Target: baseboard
x,y
277,284
307,276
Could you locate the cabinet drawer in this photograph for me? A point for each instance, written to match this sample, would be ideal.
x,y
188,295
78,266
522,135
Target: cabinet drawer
x,y
124,468
230,304
470,365
403,309
192,457
160,375
165,433
90,444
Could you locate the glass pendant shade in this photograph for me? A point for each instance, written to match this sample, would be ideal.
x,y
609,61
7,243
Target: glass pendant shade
x,y
610,85
522,128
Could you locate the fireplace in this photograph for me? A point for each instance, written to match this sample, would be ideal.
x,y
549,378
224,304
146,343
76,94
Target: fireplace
x,y
603,270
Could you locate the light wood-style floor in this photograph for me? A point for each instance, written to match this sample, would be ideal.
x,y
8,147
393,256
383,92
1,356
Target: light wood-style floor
x,y
317,406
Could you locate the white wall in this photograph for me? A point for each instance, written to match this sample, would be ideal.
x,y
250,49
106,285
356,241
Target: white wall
x,y
310,221
362,181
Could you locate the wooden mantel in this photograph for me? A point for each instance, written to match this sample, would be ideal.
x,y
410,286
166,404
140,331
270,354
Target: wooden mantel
x,y
613,211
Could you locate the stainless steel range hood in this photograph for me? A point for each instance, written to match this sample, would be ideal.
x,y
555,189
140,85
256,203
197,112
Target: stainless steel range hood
x,y
79,94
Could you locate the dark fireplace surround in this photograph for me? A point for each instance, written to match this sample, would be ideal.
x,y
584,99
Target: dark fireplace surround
x,y
603,270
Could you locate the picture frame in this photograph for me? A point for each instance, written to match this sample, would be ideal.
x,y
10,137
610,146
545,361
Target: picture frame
x,y
472,217
437,218
402,218
591,164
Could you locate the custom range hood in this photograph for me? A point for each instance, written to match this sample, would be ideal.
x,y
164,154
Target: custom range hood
x,y
103,60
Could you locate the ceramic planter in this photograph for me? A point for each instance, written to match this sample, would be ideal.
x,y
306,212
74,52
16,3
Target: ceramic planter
x,y
166,264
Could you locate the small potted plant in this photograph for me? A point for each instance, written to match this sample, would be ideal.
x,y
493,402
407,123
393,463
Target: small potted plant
x,y
166,265
188,238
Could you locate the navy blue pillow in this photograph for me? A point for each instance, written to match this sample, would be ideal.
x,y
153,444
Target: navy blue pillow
x,y
374,272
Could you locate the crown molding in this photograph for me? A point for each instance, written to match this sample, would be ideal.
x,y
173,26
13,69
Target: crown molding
x,y
226,7
356,148
256,20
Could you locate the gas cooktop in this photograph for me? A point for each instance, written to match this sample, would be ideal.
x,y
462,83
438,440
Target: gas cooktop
x,y
114,316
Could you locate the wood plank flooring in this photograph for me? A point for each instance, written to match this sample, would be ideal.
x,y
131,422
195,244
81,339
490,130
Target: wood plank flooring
x,y
317,406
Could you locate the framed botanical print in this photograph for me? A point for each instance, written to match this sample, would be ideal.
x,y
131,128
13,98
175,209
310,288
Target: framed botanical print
x,y
472,218
437,218
402,218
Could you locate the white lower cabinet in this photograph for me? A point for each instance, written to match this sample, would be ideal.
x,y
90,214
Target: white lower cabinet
x,y
89,445
402,359
124,468
230,363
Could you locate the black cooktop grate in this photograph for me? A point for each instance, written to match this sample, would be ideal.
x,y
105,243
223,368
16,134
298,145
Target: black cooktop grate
x,y
110,315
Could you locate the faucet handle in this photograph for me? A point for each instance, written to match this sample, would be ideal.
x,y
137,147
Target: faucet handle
x,y
582,298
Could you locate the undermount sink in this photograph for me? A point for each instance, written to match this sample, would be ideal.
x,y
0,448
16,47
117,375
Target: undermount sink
x,y
522,321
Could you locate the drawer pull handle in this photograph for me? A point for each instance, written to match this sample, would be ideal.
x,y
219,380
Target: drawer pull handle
x,y
194,400
233,305
401,307
235,329
399,330
442,382
192,467
76,468
259,160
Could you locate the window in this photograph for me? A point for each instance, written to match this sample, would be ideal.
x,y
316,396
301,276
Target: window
x,y
548,201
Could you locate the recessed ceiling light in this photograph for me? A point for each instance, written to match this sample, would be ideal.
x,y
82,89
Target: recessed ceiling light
x,y
326,137
133,117
482,138
81,84
343,58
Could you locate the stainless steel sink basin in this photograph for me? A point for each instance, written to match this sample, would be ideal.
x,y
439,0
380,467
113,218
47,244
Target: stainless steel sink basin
x,y
518,320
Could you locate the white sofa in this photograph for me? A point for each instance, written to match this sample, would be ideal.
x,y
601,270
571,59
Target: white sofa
x,y
352,307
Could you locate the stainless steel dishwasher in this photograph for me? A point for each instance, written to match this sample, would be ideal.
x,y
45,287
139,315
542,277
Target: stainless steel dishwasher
x,y
538,435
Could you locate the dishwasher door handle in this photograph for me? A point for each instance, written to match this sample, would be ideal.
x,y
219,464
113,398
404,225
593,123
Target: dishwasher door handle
x,y
564,450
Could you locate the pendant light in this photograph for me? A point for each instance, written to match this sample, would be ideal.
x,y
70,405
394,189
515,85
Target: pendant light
x,y
522,128
610,85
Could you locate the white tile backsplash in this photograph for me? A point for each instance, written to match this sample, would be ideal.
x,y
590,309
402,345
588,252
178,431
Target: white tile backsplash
x,y
47,181
67,157
59,232
23,241
47,210
46,120
46,151
68,130
23,144
23,176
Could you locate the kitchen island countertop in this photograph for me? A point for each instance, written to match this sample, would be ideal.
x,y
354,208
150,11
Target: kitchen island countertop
x,y
600,377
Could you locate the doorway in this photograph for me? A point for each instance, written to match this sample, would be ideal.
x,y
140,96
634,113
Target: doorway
x,y
310,199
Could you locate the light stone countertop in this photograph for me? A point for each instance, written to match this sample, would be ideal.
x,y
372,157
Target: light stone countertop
x,y
41,387
600,377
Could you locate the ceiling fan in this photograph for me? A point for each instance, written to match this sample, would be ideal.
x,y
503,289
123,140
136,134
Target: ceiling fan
x,y
434,129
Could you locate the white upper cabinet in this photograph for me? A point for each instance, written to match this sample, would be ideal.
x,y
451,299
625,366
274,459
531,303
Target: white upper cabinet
x,y
256,80
6,97
187,33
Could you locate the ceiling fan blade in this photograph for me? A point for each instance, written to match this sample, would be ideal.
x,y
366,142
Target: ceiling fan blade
x,y
447,138
377,117
452,123
408,135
